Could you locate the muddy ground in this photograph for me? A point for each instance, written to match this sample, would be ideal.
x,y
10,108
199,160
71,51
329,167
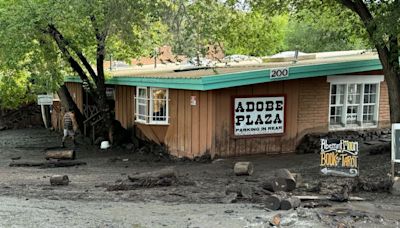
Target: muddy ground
x,y
27,198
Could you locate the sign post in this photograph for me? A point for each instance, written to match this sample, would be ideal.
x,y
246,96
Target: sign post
x,y
42,101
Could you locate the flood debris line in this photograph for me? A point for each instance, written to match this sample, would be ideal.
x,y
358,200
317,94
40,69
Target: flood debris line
x,y
163,177
62,154
243,168
46,164
59,180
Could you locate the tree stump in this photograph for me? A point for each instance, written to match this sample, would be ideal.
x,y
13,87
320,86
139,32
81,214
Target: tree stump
x,y
243,168
60,154
59,180
273,202
164,177
275,184
288,177
289,203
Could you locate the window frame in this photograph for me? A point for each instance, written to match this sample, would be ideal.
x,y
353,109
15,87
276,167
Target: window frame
x,y
357,80
148,117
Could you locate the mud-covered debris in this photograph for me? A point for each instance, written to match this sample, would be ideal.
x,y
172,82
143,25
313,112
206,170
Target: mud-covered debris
x,y
59,180
276,220
16,158
241,190
243,168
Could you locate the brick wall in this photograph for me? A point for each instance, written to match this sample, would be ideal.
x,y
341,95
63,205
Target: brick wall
x,y
313,103
384,109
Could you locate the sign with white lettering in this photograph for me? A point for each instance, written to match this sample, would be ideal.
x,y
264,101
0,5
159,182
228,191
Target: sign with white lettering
x,y
339,157
45,99
279,73
259,116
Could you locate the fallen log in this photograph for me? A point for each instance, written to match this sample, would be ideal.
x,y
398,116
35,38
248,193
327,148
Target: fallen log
x,y
290,203
243,168
59,180
47,164
60,154
288,177
162,177
273,202
275,184
351,198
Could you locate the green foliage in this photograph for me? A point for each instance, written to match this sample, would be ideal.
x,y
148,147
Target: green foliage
x,y
318,30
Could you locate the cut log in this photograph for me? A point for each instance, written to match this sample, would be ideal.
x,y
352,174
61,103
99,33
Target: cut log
x,y
243,191
243,168
60,154
47,164
290,181
351,198
273,202
290,203
59,180
164,177
275,184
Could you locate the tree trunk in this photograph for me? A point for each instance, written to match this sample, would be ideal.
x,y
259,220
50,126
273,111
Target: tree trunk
x,y
273,202
275,184
60,154
285,174
243,168
69,103
289,203
59,180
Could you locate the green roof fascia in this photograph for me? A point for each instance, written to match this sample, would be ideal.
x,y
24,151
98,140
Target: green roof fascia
x,y
244,78
295,72
173,83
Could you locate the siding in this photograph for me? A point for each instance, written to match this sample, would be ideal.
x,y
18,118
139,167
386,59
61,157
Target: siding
x,y
124,105
75,89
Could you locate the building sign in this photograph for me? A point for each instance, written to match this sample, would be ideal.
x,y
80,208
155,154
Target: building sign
x,y
45,99
396,142
339,157
279,73
259,115
193,101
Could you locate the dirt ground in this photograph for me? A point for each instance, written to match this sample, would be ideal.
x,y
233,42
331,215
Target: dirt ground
x,y
28,200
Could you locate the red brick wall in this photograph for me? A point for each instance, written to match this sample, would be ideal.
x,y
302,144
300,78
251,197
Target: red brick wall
x,y
384,109
313,113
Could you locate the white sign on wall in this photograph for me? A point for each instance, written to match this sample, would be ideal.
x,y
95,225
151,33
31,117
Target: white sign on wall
x,y
45,99
279,73
259,116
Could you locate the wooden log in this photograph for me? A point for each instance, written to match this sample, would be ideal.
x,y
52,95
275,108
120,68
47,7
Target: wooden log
x,y
274,184
273,202
165,172
290,203
164,177
351,198
290,181
46,164
243,168
60,154
59,180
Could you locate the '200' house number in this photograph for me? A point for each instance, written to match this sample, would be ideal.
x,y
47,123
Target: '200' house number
x,y
279,73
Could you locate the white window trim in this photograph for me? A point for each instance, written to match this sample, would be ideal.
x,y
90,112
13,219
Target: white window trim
x,y
149,107
137,105
355,79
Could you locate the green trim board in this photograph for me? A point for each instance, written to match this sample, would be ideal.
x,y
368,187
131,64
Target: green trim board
x,y
243,78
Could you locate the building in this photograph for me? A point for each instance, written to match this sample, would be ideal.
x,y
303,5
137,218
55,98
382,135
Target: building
x,y
248,108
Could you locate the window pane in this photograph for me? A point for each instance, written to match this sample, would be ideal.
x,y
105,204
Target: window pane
x,y
159,98
352,115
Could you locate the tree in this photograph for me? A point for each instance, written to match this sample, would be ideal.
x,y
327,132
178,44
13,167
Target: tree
x,y
46,37
380,20
317,31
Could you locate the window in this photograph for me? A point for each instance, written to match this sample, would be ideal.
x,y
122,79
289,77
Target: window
x,y
353,101
151,105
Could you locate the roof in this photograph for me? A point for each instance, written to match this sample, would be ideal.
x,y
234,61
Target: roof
x,y
243,73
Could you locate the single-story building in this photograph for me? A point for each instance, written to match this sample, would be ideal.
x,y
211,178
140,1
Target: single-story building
x,y
243,109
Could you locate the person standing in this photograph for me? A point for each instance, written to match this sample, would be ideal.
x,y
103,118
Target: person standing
x,y
70,127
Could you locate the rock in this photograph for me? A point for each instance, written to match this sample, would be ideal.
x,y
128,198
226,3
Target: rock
x,y
289,219
276,220
231,198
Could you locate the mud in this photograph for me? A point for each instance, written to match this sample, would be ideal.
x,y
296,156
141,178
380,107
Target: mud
x,y
85,202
